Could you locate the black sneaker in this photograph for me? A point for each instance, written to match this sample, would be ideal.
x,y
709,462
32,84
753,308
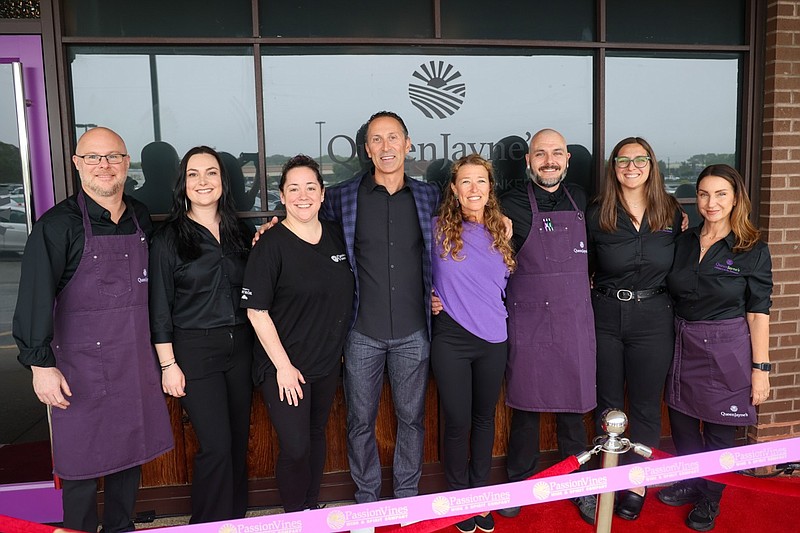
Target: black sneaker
x,y
485,523
587,507
509,512
680,493
703,515
466,526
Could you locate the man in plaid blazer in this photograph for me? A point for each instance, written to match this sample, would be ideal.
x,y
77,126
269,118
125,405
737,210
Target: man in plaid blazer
x,y
386,218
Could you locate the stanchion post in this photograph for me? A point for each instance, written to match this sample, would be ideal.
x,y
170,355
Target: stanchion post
x,y
614,423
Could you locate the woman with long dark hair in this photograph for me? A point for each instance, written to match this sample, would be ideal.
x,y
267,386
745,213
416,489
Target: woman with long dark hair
x,y
203,339
721,281
631,229
472,261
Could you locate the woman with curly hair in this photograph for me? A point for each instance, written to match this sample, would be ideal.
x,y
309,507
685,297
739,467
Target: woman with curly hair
x,y
472,261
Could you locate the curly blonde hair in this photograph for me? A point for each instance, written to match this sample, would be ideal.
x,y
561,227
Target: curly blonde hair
x,y
450,224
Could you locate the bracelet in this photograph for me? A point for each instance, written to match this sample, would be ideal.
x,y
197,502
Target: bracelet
x,y
164,367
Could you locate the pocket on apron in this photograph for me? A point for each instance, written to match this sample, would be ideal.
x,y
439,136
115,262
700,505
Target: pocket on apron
x,y
729,361
113,273
82,366
533,323
556,244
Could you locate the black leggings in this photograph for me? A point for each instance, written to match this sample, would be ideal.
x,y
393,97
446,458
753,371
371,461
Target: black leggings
x,y
301,434
469,372
689,439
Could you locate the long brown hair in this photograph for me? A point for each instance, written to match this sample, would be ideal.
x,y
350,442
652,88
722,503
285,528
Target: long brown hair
x,y
747,235
660,210
450,224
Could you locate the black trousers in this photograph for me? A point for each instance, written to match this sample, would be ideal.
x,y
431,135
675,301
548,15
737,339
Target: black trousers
x,y
635,342
523,441
301,435
217,365
469,372
79,498
689,439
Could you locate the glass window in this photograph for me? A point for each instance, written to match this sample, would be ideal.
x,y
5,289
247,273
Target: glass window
x,y
686,108
566,20
158,18
451,104
676,21
355,18
164,102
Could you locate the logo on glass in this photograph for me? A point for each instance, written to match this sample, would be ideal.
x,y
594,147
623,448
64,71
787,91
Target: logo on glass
x,y
440,95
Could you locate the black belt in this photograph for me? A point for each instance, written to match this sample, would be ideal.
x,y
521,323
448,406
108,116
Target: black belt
x,y
625,295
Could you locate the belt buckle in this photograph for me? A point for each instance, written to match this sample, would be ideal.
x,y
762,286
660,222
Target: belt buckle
x,y
624,295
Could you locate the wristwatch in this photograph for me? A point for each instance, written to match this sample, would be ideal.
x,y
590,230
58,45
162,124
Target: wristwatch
x,y
766,367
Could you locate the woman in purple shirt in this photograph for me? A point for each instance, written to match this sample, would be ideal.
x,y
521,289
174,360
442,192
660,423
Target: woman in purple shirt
x,y
471,265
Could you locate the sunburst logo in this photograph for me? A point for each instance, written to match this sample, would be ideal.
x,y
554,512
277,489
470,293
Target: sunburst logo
x,y
440,94
541,490
228,528
336,519
636,475
727,460
440,505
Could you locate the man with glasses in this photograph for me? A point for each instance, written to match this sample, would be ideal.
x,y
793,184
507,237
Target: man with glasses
x,y
551,364
81,325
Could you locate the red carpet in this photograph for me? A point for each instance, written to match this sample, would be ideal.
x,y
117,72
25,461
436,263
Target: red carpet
x,y
742,510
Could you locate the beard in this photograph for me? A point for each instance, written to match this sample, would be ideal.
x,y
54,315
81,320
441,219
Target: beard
x,y
543,182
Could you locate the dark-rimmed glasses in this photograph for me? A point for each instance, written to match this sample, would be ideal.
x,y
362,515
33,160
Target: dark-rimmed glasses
x,y
94,159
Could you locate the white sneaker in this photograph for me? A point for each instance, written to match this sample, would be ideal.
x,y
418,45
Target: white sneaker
x,y
363,530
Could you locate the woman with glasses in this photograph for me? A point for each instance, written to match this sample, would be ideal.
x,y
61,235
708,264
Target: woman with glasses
x,y
472,261
298,291
721,281
203,339
632,227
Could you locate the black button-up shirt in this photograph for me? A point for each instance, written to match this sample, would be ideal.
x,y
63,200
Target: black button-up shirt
x,y
724,284
52,256
203,293
388,248
629,258
517,207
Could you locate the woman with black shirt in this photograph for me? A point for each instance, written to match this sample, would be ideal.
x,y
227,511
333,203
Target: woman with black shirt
x,y
631,230
202,337
298,291
721,281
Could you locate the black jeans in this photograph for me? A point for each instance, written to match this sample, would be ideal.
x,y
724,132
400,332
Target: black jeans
x,y
523,441
469,372
635,343
689,439
79,498
217,366
301,434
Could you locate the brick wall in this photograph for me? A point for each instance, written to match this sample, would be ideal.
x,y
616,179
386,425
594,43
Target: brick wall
x,y
780,216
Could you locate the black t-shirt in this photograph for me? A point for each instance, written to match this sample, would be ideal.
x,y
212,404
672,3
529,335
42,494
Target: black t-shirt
x,y
308,290
724,284
627,258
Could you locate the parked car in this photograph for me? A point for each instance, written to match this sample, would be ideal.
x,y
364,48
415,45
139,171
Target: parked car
x,y
13,229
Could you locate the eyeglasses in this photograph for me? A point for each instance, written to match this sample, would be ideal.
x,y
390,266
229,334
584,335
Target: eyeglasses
x,y
94,159
638,161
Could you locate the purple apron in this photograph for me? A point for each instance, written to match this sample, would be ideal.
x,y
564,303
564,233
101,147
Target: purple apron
x,y
710,378
552,350
117,416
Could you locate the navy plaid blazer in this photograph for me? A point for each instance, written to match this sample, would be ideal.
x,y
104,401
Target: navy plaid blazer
x,y
341,205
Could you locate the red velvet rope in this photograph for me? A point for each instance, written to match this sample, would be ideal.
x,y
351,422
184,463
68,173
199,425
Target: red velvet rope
x,y
567,466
